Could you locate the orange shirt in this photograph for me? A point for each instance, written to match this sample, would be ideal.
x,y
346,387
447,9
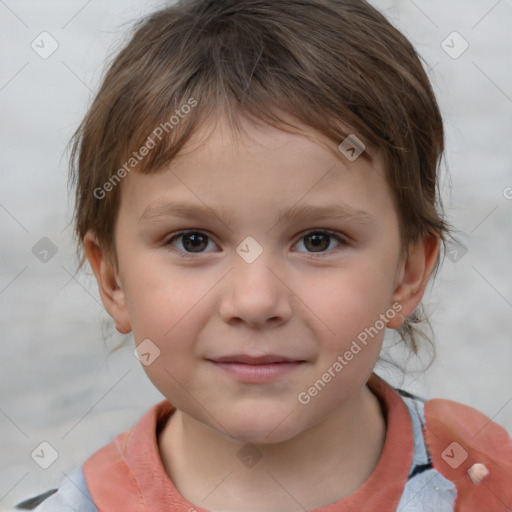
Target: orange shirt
x,y
128,474
432,456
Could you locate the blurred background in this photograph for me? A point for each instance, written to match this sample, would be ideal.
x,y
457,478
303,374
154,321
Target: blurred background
x,y
60,385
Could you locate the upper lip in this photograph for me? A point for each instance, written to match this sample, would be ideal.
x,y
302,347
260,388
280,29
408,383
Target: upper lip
x,y
246,359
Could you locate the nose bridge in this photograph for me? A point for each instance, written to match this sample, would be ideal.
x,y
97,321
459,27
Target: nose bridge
x,y
255,275
253,292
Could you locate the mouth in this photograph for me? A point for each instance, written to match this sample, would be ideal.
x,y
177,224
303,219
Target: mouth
x,y
263,368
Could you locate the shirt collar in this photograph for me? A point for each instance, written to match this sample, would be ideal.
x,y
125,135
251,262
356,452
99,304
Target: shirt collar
x,y
128,473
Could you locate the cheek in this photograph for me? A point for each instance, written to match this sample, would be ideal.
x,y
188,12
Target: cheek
x,y
348,300
171,309
171,317
349,303
161,297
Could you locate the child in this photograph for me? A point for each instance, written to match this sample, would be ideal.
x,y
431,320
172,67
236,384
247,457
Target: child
x,y
230,138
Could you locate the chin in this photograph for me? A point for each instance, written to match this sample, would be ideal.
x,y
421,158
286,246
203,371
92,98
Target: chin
x,y
263,428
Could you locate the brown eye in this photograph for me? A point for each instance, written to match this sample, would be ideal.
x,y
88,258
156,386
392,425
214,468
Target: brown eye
x,y
317,242
320,241
195,242
191,242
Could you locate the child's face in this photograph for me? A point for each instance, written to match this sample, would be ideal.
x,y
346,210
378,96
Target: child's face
x,y
304,299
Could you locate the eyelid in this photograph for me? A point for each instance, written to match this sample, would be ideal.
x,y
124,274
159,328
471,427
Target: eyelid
x,y
334,234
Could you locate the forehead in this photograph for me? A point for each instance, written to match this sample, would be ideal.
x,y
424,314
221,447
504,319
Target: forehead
x,y
224,139
257,169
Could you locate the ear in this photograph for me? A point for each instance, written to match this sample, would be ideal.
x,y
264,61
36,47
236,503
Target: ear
x,y
111,291
414,275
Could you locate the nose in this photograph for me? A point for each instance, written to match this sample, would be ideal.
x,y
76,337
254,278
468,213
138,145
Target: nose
x,y
255,294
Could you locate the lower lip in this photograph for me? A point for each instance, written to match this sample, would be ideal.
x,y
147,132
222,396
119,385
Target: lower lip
x,y
257,372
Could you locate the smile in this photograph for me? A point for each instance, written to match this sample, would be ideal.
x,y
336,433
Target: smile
x,y
256,369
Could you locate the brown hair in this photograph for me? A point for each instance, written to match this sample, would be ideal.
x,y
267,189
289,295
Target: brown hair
x,y
330,64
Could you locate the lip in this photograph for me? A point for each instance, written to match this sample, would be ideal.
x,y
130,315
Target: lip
x,y
254,360
256,369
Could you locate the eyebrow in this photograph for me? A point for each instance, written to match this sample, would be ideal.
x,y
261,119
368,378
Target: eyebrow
x,y
336,211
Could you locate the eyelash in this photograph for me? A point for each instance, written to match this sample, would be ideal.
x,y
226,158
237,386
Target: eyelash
x,y
185,254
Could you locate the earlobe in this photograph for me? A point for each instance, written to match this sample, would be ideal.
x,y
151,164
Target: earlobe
x,y
109,284
414,276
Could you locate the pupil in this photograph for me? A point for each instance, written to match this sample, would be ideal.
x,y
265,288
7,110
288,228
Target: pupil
x,y
318,241
193,241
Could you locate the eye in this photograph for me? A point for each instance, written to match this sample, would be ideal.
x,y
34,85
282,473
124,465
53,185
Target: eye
x,y
318,241
196,242
192,242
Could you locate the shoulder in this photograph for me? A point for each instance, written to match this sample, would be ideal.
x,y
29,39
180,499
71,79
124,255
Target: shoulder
x,y
465,445
72,495
107,473
458,446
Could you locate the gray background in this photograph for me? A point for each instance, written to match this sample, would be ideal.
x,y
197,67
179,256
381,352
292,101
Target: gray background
x,y
58,382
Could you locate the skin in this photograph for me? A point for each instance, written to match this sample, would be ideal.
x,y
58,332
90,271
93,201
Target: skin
x,y
296,300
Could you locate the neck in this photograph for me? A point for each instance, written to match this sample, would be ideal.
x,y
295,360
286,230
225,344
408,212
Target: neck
x,y
333,457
